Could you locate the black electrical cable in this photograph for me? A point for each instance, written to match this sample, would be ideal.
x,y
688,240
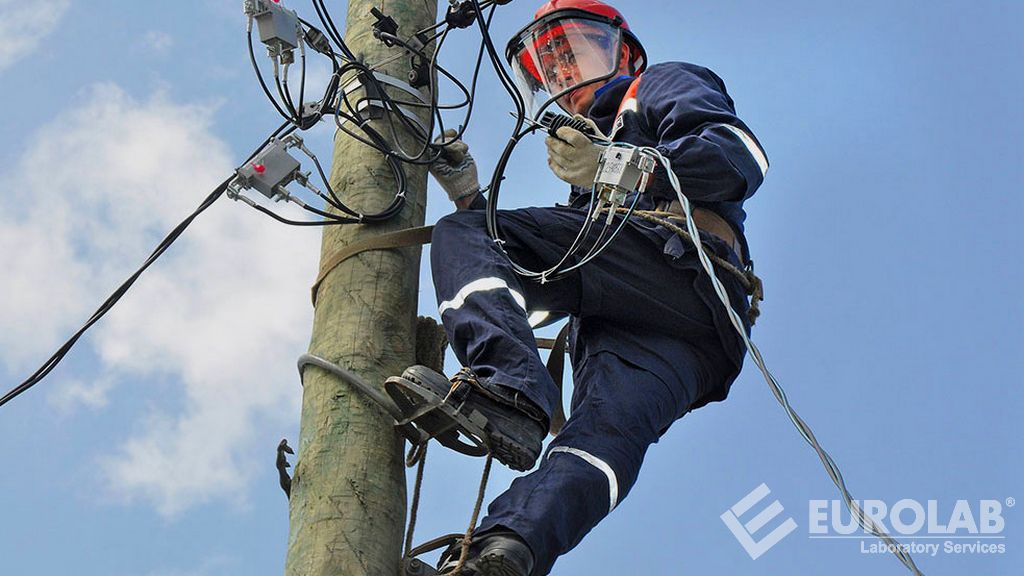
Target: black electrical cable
x,y
331,33
333,200
296,120
337,221
112,300
389,104
109,303
325,18
491,218
355,116
598,248
259,76
283,92
493,227
302,81
471,97
315,35
435,113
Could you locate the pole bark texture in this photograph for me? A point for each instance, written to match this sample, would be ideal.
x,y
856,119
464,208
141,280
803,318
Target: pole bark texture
x,y
348,493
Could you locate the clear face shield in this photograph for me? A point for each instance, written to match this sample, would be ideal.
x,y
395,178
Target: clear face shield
x,y
555,56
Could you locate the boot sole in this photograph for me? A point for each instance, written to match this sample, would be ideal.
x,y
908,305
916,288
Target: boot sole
x,y
510,452
495,565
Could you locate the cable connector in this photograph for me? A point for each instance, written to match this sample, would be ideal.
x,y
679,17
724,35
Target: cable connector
x,y
318,41
296,141
552,121
622,169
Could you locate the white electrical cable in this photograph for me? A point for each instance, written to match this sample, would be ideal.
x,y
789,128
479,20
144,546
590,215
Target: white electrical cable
x,y
865,522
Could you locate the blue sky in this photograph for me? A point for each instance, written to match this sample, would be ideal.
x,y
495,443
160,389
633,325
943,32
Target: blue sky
x,y
886,234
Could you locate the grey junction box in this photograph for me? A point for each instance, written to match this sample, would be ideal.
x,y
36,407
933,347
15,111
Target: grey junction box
x,y
270,171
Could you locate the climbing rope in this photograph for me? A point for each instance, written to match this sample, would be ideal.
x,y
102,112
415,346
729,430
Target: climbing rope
x,y
418,457
419,452
468,539
752,285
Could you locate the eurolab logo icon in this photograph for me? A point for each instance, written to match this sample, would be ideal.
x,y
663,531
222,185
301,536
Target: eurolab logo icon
x,y
745,531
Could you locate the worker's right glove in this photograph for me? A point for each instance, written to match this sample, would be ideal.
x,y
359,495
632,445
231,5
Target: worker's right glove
x,y
572,156
455,170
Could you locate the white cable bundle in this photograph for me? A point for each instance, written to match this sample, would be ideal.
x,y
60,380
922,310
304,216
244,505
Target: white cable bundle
x,y
864,521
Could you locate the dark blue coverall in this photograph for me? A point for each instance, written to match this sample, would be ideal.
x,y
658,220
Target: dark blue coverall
x,y
649,339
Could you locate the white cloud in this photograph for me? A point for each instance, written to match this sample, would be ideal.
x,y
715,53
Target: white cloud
x,y
158,41
73,393
222,315
24,25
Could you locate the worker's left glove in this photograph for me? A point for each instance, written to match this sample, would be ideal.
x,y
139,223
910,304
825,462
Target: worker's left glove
x,y
573,157
455,169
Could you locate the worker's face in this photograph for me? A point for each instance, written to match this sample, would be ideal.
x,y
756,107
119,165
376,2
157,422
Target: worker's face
x,y
580,100
567,57
573,53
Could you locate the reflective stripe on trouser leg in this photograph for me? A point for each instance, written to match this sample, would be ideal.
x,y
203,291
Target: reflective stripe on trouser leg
x,y
619,409
613,483
481,285
482,303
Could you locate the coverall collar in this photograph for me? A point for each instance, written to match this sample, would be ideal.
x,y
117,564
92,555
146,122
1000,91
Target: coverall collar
x,y
607,100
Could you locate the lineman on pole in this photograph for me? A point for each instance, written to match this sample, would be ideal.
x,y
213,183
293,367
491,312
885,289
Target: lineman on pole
x,y
649,340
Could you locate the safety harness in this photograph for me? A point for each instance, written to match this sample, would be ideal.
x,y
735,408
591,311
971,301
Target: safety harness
x,y
706,220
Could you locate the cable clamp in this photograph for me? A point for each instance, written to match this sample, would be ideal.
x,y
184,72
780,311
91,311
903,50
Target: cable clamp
x,y
358,82
384,25
461,14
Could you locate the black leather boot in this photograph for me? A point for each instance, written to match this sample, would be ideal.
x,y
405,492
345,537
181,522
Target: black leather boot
x,y
515,426
497,553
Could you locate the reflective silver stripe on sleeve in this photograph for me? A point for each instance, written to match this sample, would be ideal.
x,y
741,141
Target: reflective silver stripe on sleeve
x,y
481,285
613,484
752,147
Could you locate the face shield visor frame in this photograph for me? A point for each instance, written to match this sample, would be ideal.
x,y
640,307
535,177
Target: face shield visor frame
x,y
562,52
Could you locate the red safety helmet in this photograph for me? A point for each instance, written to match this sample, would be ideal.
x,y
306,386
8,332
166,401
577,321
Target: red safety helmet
x,y
599,8
570,44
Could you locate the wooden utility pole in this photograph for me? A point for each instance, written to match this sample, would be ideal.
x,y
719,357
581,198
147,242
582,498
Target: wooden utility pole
x,y
347,508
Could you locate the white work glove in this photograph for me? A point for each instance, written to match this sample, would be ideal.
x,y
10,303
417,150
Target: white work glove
x,y
574,158
455,170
